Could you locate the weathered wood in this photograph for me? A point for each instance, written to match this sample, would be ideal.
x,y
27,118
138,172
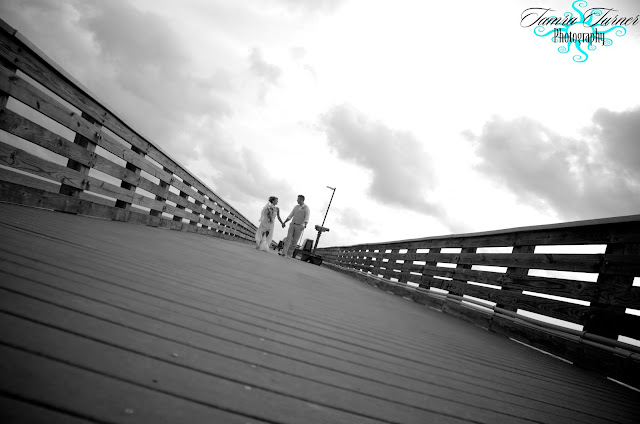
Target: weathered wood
x,y
206,211
516,271
4,94
609,296
580,290
31,96
161,198
127,185
50,387
195,211
559,262
27,180
90,206
599,231
516,300
86,144
31,64
206,311
592,358
42,199
614,281
80,151
46,186
556,342
405,275
16,410
26,58
464,250
19,159
433,263
83,158
467,313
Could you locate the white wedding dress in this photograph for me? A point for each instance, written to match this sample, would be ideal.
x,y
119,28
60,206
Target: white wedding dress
x,y
264,234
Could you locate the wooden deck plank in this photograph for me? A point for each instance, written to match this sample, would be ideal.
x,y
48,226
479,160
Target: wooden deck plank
x,y
16,411
350,349
172,377
182,360
341,351
258,334
287,364
44,381
368,347
236,365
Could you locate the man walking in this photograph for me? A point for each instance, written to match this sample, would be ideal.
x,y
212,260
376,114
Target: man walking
x,y
299,217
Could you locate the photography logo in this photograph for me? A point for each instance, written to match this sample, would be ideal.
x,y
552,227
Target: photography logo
x,y
585,31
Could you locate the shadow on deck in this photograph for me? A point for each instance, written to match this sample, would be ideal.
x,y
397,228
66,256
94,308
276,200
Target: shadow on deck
x,y
103,321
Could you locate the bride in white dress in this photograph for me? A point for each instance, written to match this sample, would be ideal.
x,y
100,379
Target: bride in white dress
x,y
264,234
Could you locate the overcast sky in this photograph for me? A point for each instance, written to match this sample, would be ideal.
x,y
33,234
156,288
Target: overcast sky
x,y
429,118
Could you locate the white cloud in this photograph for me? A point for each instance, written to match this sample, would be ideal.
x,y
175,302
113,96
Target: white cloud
x,y
584,178
401,170
268,73
313,6
617,133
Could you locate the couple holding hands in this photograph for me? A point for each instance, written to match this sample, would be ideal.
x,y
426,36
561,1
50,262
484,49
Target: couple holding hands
x,y
299,217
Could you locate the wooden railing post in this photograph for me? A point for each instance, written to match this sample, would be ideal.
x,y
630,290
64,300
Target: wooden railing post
x,y
391,264
184,196
224,222
433,264
350,258
4,97
363,259
234,225
210,219
463,266
205,207
603,318
515,272
405,274
163,185
83,169
217,218
128,186
191,222
368,262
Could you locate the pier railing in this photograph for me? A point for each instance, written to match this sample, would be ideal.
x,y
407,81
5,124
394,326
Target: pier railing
x,y
109,170
518,282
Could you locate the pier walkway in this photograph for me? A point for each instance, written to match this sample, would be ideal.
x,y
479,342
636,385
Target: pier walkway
x,y
111,322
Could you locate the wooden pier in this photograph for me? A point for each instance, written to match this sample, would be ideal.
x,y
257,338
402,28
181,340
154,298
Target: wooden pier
x,y
103,321
130,292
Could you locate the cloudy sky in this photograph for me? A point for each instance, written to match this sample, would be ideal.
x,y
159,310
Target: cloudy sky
x,y
429,118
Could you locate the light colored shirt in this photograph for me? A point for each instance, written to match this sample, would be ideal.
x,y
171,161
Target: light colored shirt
x,y
300,214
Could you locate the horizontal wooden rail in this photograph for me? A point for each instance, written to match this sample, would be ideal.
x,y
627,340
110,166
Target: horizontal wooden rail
x,y
147,187
508,273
